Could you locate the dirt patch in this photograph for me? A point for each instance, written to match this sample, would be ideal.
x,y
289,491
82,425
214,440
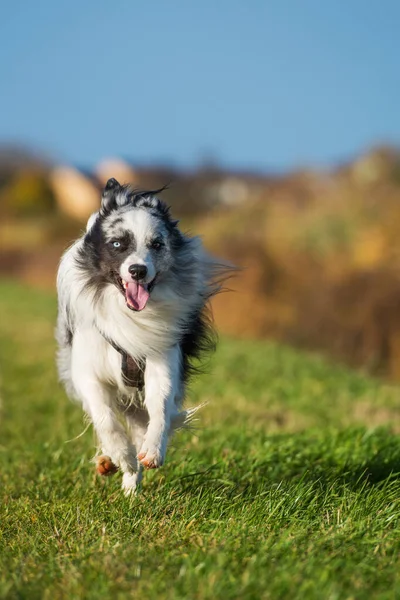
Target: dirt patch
x,y
373,416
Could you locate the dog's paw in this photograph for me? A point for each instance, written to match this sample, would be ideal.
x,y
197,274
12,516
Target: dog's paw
x,y
105,466
151,458
130,483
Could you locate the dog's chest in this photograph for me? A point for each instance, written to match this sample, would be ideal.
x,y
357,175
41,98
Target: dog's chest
x,y
132,370
153,331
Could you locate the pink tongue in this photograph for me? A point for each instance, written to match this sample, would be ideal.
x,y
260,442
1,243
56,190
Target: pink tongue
x,y
136,295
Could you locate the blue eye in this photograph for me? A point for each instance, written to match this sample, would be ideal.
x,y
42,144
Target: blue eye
x,y
116,244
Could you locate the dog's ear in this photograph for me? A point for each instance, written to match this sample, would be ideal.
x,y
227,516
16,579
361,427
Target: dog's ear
x,y
109,197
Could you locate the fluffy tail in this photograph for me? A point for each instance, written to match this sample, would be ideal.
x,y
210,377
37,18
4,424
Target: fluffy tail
x,y
185,419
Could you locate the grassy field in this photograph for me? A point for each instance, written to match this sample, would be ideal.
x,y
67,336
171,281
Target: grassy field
x,y
288,488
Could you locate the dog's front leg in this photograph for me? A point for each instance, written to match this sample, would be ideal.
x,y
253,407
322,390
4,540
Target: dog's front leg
x,y
162,385
98,401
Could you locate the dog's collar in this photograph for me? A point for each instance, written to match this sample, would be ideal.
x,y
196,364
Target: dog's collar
x,y
132,371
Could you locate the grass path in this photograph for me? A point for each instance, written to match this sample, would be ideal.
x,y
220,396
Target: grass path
x,y
288,489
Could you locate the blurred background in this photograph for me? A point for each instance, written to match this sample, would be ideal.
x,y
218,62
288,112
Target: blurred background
x,y
275,124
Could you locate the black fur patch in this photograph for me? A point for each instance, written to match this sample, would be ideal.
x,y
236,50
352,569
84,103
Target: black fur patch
x,y
117,221
100,260
199,340
108,200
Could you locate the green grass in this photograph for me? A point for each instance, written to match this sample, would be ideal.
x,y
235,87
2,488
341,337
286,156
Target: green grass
x,y
289,487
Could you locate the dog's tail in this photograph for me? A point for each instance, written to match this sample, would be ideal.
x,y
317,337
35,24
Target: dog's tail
x,y
185,419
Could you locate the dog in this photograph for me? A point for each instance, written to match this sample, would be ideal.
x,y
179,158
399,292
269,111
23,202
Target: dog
x,y
133,320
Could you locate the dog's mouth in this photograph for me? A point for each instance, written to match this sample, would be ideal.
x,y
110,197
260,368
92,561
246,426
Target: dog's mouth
x,y
136,294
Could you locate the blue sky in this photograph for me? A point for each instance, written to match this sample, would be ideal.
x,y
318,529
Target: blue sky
x,y
264,85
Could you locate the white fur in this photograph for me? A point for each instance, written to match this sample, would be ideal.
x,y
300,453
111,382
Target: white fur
x,y
141,223
90,367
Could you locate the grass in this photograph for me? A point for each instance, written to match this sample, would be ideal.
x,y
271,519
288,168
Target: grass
x,y
289,488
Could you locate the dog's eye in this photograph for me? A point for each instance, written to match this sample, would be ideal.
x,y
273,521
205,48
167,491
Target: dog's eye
x,y
156,245
116,244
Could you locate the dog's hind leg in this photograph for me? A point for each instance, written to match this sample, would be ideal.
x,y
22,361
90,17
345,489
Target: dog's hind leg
x,y
162,386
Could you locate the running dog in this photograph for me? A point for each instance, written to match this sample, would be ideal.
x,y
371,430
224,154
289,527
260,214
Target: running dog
x,y
133,314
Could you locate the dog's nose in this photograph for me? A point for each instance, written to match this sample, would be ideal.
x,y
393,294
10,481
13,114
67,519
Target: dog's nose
x,y
138,271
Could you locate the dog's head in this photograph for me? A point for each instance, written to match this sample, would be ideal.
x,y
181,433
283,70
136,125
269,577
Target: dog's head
x,y
131,242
